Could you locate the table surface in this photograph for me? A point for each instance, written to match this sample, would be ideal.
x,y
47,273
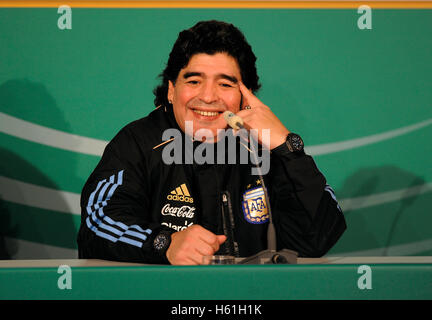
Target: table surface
x,y
106,263
322,278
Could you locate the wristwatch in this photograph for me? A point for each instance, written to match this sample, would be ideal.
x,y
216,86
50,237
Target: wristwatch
x,y
294,143
162,242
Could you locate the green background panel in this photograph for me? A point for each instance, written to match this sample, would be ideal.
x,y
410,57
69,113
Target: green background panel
x,y
385,225
39,225
45,166
398,163
322,76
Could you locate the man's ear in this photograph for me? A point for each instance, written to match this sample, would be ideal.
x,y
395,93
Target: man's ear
x,y
170,94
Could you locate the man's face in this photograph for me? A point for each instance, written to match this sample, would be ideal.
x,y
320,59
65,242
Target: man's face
x,y
204,89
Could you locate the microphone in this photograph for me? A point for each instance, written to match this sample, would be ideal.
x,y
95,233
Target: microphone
x,y
233,120
270,255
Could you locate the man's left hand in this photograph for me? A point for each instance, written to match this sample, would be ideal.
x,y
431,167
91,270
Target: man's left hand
x,y
260,117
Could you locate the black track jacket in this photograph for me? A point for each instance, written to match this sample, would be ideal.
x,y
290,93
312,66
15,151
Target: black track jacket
x,y
132,195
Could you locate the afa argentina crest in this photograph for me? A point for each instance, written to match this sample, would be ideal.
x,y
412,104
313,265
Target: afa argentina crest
x,y
254,206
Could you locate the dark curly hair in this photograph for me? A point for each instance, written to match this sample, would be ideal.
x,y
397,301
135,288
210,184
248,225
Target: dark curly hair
x,y
208,37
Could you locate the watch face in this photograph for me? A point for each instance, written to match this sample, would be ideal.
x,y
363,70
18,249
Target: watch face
x,y
161,242
296,142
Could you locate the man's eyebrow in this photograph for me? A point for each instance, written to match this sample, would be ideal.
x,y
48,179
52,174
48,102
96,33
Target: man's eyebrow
x,y
221,75
191,74
229,78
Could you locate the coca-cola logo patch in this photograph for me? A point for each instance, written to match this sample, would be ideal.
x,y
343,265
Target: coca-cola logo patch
x,y
179,212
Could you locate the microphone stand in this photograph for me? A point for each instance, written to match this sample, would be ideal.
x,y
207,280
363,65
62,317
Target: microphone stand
x,y
270,255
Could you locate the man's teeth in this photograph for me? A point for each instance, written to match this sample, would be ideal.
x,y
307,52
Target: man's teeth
x,y
206,113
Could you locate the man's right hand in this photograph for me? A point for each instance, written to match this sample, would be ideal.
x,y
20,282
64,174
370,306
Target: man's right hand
x,y
188,247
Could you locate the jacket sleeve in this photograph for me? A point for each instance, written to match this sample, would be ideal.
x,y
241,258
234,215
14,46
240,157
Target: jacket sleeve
x,y
306,214
115,218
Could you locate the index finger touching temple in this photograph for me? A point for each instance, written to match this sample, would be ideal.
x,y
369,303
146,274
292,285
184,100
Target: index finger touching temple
x,y
250,97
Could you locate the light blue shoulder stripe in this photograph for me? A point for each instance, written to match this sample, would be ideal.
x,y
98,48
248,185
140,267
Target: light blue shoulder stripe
x,y
332,194
103,222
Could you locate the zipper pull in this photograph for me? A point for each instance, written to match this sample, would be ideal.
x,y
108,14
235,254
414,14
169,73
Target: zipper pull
x,y
224,198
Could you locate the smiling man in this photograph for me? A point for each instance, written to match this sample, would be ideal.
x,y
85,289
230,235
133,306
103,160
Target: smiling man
x,y
202,91
136,207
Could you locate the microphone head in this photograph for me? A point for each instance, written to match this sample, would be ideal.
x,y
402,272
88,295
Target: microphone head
x,y
233,120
